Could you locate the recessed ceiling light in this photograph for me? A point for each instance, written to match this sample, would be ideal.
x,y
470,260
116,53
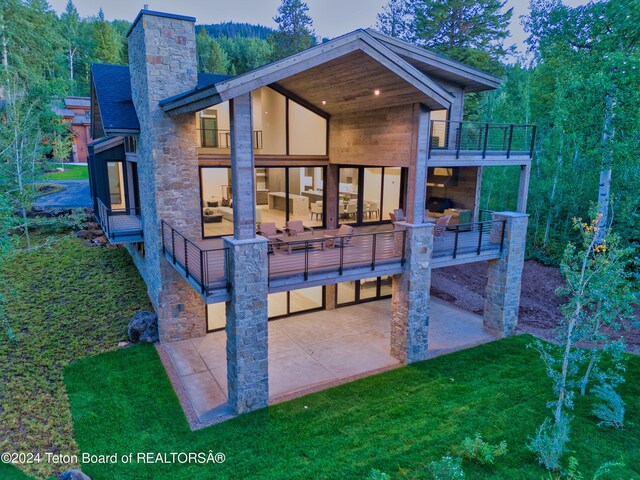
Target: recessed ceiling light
x,y
324,102
376,92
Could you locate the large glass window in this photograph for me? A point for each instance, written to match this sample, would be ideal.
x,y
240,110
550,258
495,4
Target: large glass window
x,y
307,131
214,127
364,290
348,187
372,194
217,201
295,301
392,191
269,122
292,193
116,185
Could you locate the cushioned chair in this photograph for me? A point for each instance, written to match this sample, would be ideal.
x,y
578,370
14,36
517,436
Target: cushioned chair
x,y
341,236
269,230
295,227
316,211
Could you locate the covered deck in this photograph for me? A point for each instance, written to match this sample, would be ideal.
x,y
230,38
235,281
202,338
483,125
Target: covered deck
x,y
321,260
311,352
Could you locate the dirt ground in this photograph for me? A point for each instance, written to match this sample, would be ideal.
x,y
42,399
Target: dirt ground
x,y
464,286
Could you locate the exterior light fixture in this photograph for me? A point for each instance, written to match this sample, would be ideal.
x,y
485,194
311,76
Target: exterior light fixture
x,y
324,102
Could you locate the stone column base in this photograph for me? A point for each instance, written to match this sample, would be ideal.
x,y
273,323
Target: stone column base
x,y
247,343
411,296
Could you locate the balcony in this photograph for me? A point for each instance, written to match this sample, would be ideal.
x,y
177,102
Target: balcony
x,y
221,139
320,260
120,225
482,143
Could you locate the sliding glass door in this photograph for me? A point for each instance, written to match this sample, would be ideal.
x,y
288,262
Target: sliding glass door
x,y
368,194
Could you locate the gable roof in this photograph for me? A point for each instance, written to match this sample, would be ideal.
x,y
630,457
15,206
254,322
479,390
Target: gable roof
x,y
112,87
428,73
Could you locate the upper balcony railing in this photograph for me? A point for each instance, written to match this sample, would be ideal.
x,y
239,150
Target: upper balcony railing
x,y
214,138
481,138
120,225
207,269
468,241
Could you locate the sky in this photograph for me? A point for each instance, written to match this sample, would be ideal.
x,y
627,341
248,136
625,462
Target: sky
x,y
330,17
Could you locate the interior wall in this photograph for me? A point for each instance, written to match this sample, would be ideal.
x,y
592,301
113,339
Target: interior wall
x,y
462,193
374,137
307,131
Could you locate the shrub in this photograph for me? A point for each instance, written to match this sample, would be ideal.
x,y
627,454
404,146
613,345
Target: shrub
x,y
448,468
482,452
550,442
611,410
378,475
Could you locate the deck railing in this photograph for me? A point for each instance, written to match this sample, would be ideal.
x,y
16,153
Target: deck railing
x,y
207,268
469,239
336,253
118,223
215,138
482,138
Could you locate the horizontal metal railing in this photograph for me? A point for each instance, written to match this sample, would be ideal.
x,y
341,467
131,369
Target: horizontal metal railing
x,y
215,138
481,137
119,222
469,239
207,268
336,253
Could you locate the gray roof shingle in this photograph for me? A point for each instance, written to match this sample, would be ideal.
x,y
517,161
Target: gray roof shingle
x,y
112,85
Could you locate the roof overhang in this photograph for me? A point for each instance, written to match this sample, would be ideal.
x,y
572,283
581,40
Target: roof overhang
x,y
439,66
104,144
331,67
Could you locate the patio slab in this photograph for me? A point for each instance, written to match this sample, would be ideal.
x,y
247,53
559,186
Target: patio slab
x,y
315,350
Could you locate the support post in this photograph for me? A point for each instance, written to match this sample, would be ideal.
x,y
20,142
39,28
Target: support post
x,y
246,327
523,190
504,276
242,167
411,296
417,181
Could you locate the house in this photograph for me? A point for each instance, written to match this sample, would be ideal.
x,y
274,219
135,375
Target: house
x,y
76,113
187,167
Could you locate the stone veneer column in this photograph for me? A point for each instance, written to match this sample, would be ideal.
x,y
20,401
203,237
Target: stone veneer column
x,y
411,296
163,63
504,275
247,342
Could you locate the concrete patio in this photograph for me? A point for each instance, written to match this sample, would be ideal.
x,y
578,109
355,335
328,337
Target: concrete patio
x,y
313,351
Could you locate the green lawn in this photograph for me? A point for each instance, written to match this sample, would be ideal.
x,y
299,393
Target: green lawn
x,y
397,421
64,303
71,172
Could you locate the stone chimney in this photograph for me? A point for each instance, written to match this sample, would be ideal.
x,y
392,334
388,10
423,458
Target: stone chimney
x,y
163,63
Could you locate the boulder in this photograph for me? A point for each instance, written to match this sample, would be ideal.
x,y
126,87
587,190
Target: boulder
x,y
73,474
143,327
100,241
84,234
92,225
96,232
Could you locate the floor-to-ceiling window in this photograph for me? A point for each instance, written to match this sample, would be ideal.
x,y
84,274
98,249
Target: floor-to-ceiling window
x,y
368,194
364,290
115,173
217,201
290,193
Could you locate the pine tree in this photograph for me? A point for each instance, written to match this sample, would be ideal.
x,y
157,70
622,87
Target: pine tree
x,y
470,31
295,29
106,49
396,19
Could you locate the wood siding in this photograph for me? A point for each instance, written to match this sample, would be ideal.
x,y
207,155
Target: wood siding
x,y
376,137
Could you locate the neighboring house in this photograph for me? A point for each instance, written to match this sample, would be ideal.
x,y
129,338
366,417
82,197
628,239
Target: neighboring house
x,y
76,113
187,166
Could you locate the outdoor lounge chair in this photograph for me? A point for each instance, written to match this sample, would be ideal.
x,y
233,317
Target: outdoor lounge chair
x,y
341,236
295,227
268,230
441,227
397,216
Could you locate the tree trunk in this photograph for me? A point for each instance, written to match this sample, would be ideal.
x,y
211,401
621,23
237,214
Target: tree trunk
x,y
604,187
552,199
3,40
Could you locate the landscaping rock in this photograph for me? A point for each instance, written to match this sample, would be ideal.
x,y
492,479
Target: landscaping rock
x,y
143,327
73,474
97,232
100,241
91,225
84,234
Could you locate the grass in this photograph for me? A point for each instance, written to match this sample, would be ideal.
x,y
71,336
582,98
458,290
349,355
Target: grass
x,y
397,421
71,172
64,303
